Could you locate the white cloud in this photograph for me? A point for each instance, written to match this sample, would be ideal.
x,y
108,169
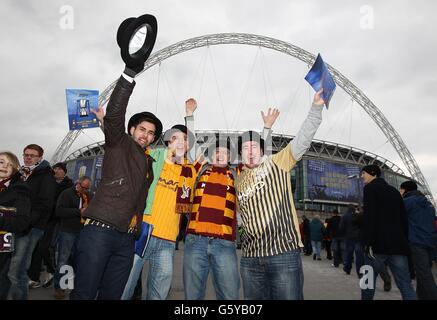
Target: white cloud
x,y
392,64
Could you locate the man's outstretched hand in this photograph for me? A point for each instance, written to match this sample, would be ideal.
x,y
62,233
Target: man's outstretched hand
x,y
100,114
318,100
190,106
270,117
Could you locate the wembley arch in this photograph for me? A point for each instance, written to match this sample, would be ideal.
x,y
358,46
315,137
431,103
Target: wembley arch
x,y
270,43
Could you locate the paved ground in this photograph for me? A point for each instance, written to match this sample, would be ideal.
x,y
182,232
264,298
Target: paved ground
x,y
322,282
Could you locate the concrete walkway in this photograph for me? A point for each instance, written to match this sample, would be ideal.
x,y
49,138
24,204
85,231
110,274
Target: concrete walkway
x,y
322,282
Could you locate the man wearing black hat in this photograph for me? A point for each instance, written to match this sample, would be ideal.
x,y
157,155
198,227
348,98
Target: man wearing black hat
x,y
422,237
384,233
169,198
271,265
105,247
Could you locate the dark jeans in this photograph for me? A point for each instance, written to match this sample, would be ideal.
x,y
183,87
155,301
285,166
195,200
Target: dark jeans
x,y
328,249
353,246
308,249
20,263
277,277
399,267
426,286
43,252
5,284
102,263
337,248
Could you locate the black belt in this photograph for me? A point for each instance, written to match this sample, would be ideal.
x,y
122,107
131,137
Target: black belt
x,y
97,223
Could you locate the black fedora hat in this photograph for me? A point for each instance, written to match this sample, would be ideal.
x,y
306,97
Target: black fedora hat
x,y
137,118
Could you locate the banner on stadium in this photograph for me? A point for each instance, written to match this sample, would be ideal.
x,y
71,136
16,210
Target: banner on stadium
x,y
84,167
79,105
330,181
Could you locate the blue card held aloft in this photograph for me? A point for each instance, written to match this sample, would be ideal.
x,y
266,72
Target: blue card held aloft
x,y
319,77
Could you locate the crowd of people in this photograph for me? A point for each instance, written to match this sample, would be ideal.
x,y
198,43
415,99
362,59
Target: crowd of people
x,y
57,222
394,230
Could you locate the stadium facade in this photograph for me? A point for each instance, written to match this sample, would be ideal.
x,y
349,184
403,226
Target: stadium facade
x,y
326,178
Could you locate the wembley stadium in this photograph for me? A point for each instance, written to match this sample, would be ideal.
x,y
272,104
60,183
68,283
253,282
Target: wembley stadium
x,y
326,178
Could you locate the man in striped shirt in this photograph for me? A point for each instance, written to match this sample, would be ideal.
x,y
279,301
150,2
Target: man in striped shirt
x,y
271,266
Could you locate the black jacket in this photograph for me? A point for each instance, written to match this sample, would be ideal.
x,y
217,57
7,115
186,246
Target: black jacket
x,y
16,195
60,186
334,227
350,225
126,171
42,187
385,226
68,212
63,185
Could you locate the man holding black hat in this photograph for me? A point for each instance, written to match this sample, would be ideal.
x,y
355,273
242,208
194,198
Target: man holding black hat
x,y
422,237
271,265
106,244
384,233
169,198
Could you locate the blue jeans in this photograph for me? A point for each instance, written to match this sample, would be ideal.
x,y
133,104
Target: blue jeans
x,y
317,247
202,253
66,242
159,253
101,262
351,247
399,267
278,277
20,263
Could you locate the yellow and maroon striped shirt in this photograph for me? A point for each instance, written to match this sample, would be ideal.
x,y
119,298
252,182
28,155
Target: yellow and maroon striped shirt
x,y
213,212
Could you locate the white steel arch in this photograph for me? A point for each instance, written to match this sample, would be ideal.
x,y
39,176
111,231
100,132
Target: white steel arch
x,y
270,43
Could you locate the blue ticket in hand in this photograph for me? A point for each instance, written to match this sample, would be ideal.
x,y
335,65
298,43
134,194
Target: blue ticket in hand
x,y
319,77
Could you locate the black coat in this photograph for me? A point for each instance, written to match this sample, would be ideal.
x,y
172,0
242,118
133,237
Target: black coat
x,y
16,195
68,212
350,225
385,226
60,186
126,171
63,185
42,187
334,227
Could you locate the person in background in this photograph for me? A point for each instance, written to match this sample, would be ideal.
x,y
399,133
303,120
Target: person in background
x,y
38,175
317,234
70,206
14,193
422,237
307,236
384,232
351,228
337,238
327,239
45,249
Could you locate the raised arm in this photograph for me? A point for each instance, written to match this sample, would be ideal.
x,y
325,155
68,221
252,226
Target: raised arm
x,y
190,107
292,153
114,119
269,119
302,141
